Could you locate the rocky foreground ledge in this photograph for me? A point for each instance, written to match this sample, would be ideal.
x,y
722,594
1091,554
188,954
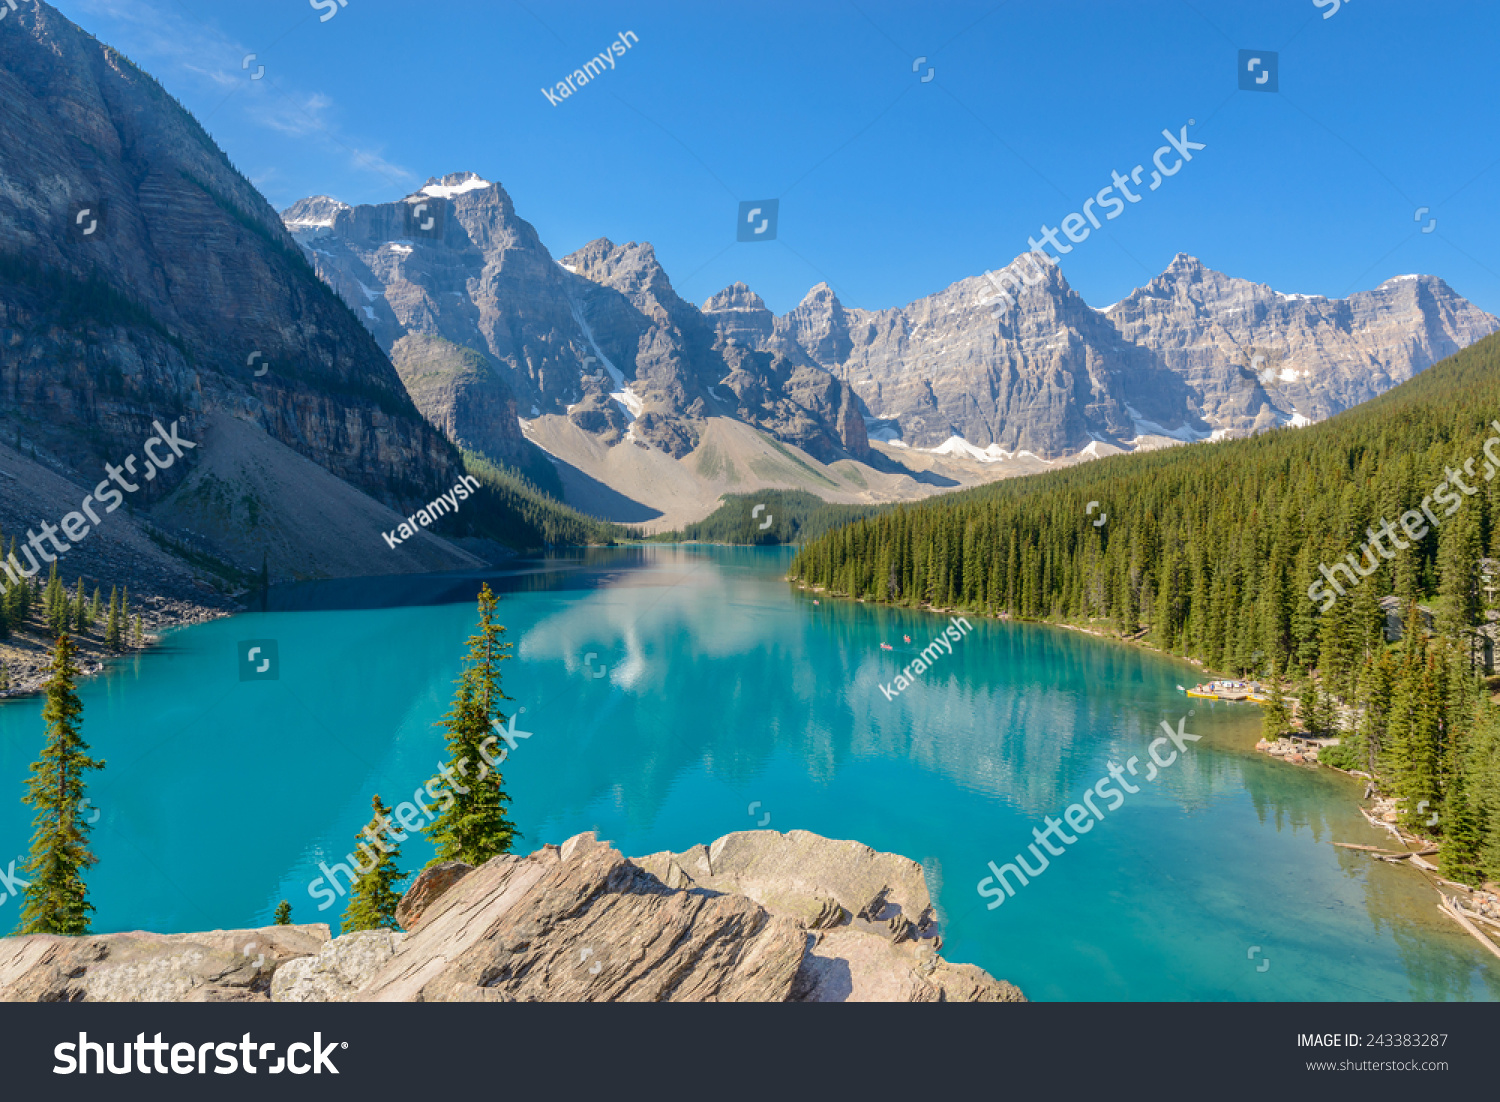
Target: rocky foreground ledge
x,y
758,916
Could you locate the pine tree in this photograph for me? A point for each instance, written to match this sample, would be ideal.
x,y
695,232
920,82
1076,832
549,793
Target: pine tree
x,y
1325,713
1458,566
1275,720
18,595
56,900
1308,707
95,611
55,602
373,896
80,609
474,827
1463,835
112,631
1483,788
138,633
283,914
1412,752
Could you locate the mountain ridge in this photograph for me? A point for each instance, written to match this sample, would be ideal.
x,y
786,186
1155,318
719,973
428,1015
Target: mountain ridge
x,y
952,370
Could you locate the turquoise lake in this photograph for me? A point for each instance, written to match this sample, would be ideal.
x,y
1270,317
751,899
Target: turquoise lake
x,y
723,687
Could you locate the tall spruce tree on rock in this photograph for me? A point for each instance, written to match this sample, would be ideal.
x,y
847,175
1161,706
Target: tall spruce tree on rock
x,y
475,827
373,896
55,899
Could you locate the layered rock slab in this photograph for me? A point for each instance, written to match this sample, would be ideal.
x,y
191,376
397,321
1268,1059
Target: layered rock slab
x,y
217,966
757,916
580,922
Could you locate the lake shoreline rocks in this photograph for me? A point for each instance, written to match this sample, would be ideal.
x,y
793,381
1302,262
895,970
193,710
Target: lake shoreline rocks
x,y
1284,749
757,916
27,656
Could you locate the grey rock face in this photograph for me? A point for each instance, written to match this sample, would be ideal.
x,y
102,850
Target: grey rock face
x,y
801,404
688,366
1046,375
1255,357
338,971
599,336
186,274
1193,352
820,325
740,315
429,884
462,395
472,310
219,966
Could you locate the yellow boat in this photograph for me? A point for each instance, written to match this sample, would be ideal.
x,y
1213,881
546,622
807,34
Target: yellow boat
x,y
1202,696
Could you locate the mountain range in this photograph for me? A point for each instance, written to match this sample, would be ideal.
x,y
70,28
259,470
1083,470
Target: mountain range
x,y
650,407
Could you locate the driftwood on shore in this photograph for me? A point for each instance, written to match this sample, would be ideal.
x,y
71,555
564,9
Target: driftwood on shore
x,y
1382,825
1455,910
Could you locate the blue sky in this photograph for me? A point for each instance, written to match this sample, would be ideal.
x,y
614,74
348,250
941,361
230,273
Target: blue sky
x,y
890,187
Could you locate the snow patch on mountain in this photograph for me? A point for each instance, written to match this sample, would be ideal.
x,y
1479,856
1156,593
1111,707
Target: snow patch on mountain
x,y
1144,427
448,191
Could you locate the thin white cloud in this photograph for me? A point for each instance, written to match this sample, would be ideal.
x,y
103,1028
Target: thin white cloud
x,y
287,115
218,76
167,42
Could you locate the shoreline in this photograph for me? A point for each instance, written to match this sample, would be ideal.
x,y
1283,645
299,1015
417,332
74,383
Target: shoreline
x,y
27,654
1136,640
1481,903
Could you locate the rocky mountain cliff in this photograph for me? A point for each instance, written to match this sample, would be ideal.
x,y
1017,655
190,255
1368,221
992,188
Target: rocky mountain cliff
x,y
1192,354
600,337
1253,357
142,278
1048,376
757,916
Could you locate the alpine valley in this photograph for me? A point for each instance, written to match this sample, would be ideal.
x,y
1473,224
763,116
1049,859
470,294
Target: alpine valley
x,y
372,355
